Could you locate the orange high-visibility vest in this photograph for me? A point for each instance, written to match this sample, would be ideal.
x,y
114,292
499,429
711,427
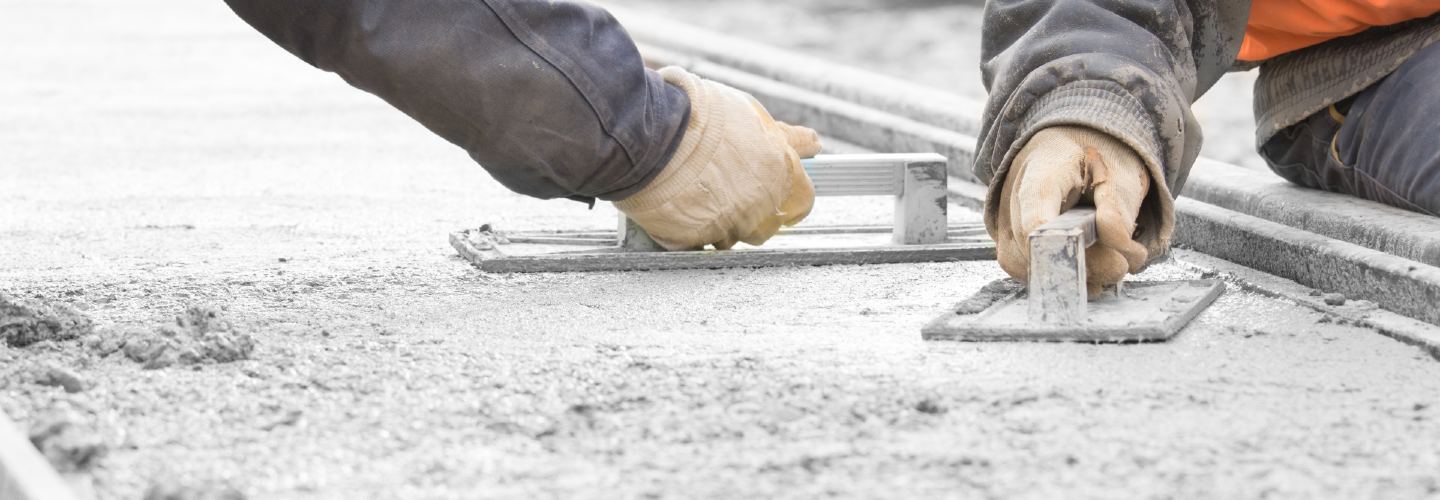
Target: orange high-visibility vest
x,y
1280,26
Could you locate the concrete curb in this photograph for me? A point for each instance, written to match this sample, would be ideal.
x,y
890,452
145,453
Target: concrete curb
x,y
1401,285
1407,234
1257,193
24,473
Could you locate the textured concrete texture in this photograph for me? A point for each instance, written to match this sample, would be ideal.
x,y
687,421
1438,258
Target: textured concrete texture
x,y
1400,285
158,155
1412,235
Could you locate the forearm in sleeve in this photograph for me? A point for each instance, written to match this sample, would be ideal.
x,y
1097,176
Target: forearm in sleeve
x,y
550,97
1130,68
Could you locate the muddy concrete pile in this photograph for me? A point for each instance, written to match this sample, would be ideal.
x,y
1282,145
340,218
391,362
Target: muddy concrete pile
x,y
52,344
26,321
201,334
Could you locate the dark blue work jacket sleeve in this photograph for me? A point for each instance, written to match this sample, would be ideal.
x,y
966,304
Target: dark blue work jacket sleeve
x,y
550,97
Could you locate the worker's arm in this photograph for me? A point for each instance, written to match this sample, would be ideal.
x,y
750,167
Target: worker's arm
x,y
1113,81
551,97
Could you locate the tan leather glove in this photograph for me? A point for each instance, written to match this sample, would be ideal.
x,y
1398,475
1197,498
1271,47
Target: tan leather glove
x,y
1057,169
735,176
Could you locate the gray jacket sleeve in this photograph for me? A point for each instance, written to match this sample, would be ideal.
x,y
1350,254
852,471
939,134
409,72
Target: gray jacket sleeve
x,y
1130,68
550,97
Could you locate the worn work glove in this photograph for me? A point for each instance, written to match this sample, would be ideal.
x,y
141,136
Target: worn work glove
x,y
735,176
1059,168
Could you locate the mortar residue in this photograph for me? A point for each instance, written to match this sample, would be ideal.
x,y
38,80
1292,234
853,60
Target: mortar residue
x,y
988,295
27,321
201,334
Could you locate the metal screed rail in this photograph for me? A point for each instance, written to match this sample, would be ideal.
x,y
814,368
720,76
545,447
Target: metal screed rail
x,y
920,232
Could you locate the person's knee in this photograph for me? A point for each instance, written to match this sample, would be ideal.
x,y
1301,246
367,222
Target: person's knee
x,y
1388,137
1298,153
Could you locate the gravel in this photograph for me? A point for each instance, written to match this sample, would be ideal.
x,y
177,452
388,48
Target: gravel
x,y
27,321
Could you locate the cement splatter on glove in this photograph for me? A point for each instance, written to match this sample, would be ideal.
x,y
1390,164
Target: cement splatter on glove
x,y
1058,169
735,176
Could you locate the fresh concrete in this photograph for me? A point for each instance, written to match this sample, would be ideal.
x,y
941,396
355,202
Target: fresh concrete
x,y
1397,284
1358,312
160,153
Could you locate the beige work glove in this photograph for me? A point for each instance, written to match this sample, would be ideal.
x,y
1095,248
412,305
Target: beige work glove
x,y
735,176
1059,168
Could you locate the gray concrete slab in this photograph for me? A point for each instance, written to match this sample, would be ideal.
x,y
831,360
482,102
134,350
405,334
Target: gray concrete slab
x,y
1411,235
1358,312
157,153
1397,284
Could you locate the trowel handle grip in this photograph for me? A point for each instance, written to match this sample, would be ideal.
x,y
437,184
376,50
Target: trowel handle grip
x,y
1078,222
1057,267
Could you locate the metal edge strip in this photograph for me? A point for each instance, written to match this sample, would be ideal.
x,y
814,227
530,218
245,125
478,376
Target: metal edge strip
x,y
25,474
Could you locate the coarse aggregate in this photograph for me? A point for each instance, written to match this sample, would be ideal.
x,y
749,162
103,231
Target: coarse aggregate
x,y
160,155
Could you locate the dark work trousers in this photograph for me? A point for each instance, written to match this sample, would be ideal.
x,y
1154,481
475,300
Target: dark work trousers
x,y
551,97
1382,144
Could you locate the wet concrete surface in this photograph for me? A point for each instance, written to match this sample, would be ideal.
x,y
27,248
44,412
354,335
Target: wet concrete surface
x,y
159,155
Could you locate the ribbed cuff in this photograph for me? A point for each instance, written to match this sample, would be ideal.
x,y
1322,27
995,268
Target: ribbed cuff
x,y
1100,105
1106,107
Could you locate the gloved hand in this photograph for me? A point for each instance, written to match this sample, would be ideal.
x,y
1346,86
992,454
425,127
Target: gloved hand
x,y
1057,169
735,176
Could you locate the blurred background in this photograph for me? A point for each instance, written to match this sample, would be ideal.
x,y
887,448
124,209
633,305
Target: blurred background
x,y
932,42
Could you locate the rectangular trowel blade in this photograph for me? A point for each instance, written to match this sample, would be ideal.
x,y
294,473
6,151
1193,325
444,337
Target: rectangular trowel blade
x,y
1140,312
1053,307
